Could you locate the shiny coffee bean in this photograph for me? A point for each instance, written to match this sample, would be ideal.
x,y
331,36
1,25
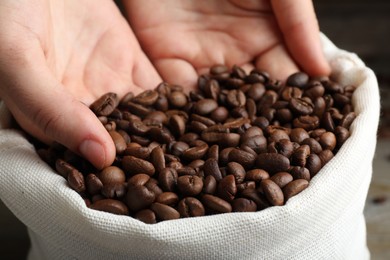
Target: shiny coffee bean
x,y
273,192
110,205
164,212
190,185
294,187
272,162
157,158
139,197
282,179
237,170
168,198
93,184
76,181
216,204
190,207
168,179
147,216
226,188
243,205
133,165
105,105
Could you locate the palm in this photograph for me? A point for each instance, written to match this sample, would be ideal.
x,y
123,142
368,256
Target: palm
x,y
91,49
185,37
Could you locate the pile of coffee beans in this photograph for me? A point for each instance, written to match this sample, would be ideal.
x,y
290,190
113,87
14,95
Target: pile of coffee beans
x,y
239,143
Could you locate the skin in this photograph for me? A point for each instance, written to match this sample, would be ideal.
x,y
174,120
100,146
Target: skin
x,y
183,38
54,64
58,56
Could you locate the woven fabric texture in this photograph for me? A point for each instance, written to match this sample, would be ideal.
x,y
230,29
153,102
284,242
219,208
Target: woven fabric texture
x,y
325,221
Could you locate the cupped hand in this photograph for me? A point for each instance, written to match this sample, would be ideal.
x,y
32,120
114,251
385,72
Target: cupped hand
x,y
184,37
57,57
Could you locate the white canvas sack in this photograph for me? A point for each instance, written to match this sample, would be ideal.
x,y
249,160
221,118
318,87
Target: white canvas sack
x,y
325,221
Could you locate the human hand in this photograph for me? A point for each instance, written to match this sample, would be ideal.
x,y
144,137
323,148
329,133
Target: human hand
x,y
56,55
183,37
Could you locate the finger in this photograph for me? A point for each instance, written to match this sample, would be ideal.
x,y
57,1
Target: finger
x,y
177,71
277,62
145,75
299,25
42,107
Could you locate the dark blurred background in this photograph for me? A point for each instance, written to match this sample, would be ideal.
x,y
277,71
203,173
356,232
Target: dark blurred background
x,y
360,26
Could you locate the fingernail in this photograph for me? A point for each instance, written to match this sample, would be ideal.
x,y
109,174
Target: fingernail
x,y
93,152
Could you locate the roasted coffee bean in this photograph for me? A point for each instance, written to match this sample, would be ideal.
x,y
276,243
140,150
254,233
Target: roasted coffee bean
x,y
209,184
168,198
258,143
347,120
161,135
164,212
315,146
236,123
299,172
162,103
128,97
137,109
284,147
76,181
139,197
291,92
168,179
272,162
236,98
220,114
223,139
328,141
146,215
157,158
342,134
211,167
189,137
282,179
294,187
177,125
325,156
273,192
218,69
196,164
213,152
111,175
153,185
105,104
278,135
190,185
237,170
190,207
177,99
110,205
146,98
244,158
226,188
261,122
313,164
116,190
216,204
176,165
259,199
178,148
298,135
245,185
205,106
301,106
319,107
64,168
196,152
211,89
256,175
93,184
186,170
300,155
138,180
243,205
314,90
204,120
327,122
139,152
298,79
133,165
306,122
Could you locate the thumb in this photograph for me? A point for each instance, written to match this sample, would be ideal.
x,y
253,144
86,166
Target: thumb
x,y
44,108
299,25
